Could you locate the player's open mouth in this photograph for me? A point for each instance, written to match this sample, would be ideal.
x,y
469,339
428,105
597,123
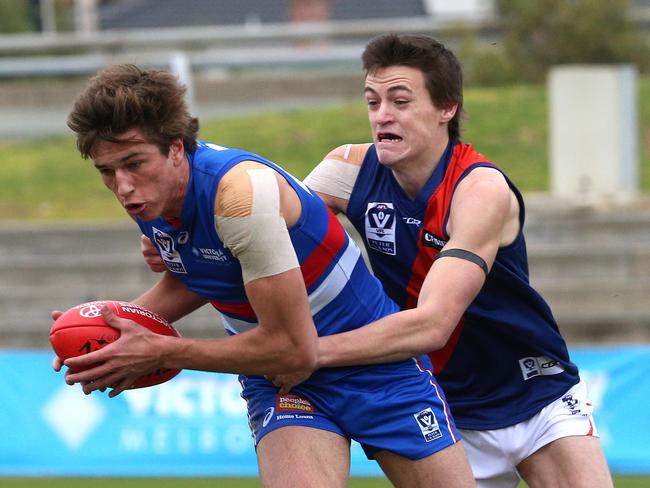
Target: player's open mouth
x,y
134,208
388,137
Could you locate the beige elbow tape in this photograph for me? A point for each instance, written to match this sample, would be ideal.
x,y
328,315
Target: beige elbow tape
x,y
260,241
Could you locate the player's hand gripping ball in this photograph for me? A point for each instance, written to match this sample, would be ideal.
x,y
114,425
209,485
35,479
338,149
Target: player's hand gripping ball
x,y
82,329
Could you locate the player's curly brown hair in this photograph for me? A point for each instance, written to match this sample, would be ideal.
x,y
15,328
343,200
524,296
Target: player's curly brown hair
x,y
124,96
442,71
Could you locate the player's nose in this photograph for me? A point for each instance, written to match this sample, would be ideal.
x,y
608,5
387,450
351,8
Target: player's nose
x,y
123,183
383,114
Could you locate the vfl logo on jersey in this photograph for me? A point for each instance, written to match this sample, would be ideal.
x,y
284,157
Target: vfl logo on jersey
x,y
540,365
430,240
428,423
380,227
168,252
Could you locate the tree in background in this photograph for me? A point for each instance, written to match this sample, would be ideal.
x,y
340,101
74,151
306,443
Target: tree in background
x,y
543,33
18,16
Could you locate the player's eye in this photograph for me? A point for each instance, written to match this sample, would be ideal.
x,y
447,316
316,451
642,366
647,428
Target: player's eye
x,y
106,171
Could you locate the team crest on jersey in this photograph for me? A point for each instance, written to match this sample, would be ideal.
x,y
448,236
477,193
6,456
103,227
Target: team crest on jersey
x,y
430,240
380,227
428,423
168,251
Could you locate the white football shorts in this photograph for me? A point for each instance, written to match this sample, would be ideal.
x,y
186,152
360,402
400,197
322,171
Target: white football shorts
x,y
495,454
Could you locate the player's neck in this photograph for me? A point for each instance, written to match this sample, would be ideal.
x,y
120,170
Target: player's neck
x,y
412,175
177,198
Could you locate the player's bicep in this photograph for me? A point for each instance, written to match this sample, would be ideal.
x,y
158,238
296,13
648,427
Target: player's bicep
x,y
478,214
479,210
249,222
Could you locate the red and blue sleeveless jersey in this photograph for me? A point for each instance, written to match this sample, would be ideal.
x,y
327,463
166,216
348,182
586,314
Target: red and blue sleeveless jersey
x,y
506,359
343,294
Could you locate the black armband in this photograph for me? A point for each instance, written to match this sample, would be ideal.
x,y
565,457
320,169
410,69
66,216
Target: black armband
x,y
467,255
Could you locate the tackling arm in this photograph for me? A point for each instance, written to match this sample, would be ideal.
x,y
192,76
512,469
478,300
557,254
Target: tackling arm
x,y
481,219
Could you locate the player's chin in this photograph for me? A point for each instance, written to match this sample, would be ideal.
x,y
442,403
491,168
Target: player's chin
x,y
387,157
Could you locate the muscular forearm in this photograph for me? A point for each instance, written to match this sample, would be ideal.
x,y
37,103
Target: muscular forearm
x,y
423,329
392,338
255,352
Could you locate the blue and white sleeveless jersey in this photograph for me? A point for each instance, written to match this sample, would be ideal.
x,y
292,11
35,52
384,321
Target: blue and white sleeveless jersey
x,y
506,359
343,294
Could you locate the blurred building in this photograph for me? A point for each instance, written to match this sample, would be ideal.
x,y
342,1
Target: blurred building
x,y
132,14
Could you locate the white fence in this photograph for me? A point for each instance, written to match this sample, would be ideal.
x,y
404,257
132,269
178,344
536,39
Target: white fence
x,y
283,45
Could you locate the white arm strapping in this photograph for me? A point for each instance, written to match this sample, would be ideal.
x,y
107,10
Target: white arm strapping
x,y
261,240
333,177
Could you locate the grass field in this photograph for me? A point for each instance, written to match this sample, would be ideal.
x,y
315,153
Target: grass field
x,y
46,179
619,482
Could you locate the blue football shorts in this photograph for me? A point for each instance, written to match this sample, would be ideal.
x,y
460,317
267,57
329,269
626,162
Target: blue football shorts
x,y
397,407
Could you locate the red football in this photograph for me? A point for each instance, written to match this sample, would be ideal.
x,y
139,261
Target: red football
x,y
82,329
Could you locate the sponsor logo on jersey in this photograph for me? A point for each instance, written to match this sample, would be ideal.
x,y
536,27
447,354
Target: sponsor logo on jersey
x,y
539,366
294,403
168,252
267,417
183,237
428,423
430,240
380,227
412,221
215,256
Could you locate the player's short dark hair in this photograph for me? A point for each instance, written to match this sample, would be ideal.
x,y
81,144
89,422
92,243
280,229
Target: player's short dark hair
x,y
441,69
122,97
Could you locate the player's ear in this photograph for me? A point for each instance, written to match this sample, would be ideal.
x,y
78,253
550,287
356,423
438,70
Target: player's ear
x,y
177,151
448,112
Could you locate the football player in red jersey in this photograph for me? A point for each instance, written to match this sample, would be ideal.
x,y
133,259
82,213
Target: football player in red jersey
x,y
443,228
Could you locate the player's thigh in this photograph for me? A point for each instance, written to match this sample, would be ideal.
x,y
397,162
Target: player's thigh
x,y
446,468
574,461
304,457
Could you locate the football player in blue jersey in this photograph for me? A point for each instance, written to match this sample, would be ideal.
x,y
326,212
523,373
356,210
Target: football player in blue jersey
x,y
237,231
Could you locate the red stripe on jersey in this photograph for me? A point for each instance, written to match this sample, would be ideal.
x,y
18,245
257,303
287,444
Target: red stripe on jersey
x,y
317,262
440,357
175,222
243,309
419,270
462,158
